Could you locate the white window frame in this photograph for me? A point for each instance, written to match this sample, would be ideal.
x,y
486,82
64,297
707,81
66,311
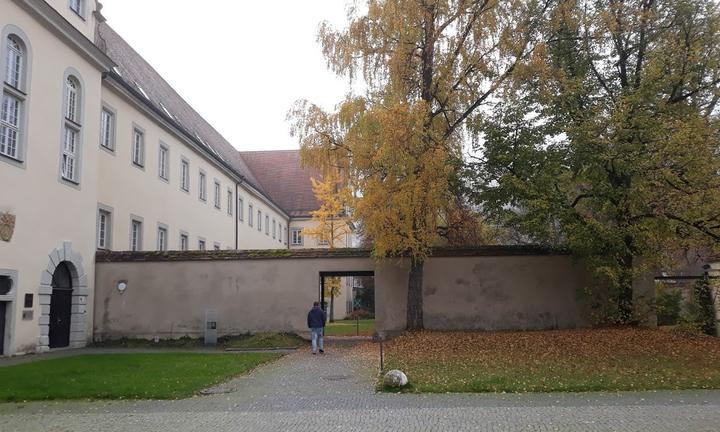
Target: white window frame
x,y
267,225
14,90
216,194
137,147
162,238
184,241
230,202
10,125
241,210
164,162
274,229
259,220
202,244
202,186
296,238
107,128
14,61
251,215
104,228
185,175
136,234
71,144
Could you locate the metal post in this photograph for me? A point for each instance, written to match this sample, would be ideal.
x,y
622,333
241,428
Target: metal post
x,y
382,357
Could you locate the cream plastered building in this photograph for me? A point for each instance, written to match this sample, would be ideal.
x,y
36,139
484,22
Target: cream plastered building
x,y
98,152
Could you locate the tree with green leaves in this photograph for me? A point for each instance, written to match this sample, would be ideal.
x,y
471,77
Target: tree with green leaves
x,y
430,66
608,144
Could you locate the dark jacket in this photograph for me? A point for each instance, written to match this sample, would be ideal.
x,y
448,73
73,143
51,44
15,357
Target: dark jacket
x,y
316,318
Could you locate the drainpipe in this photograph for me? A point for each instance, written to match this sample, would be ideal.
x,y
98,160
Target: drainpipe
x,y
237,214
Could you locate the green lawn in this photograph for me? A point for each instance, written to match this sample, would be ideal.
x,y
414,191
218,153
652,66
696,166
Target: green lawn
x,y
348,328
555,361
265,341
123,376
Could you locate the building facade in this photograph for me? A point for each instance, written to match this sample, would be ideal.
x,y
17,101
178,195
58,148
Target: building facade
x,y
97,151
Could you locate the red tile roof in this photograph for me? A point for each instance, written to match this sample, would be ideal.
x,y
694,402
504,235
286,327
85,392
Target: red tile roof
x,y
282,176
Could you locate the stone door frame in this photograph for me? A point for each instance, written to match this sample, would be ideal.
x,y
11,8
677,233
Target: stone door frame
x,y
80,293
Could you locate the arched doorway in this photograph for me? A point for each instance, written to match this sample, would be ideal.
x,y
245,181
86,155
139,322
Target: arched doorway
x,y
61,306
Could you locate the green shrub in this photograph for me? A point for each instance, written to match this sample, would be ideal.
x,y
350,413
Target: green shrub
x,y
701,309
668,304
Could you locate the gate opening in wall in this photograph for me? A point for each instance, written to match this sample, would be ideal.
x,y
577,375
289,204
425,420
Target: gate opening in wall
x,y
348,297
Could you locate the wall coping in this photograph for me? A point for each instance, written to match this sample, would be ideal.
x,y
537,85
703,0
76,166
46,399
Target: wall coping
x,y
274,254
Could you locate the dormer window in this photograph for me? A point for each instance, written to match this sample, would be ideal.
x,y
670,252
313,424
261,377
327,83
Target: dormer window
x,y
78,7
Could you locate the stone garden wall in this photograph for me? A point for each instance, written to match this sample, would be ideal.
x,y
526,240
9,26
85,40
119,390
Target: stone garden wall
x,y
167,294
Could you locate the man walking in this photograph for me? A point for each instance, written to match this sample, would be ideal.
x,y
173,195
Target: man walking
x,y
316,324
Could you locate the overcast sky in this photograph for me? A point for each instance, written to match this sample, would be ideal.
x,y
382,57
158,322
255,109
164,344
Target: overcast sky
x,y
240,64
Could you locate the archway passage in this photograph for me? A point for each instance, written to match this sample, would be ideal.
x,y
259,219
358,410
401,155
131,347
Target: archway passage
x,y
61,306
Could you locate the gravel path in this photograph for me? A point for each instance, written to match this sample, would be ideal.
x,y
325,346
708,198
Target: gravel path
x,y
301,392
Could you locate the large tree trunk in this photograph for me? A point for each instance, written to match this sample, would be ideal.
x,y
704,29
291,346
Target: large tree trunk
x,y
332,308
626,309
415,295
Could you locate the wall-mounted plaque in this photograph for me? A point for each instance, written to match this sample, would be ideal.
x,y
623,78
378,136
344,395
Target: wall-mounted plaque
x,y
7,226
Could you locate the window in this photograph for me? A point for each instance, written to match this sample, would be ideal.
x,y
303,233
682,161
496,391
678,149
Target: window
x,y
280,234
10,126
164,162
202,192
297,239
216,246
69,158
241,210
230,201
77,6
185,176
183,242
107,129
274,230
250,215
201,245
12,98
71,99
72,132
104,229
14,66
162,238
136,235
138,147
216,195
259,220
267,225
323,242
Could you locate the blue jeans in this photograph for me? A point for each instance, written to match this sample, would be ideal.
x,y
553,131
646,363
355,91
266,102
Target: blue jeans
x,y
317,339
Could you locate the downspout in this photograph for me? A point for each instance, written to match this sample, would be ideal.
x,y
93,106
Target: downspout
x,y
237,214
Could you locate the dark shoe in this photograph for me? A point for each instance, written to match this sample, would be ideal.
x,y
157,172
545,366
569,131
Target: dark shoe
x,y
315,353
322,351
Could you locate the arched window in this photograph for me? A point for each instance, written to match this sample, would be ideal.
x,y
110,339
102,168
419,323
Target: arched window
x,y
14,62
13,98
72,131
71,99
